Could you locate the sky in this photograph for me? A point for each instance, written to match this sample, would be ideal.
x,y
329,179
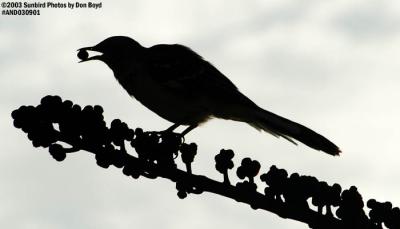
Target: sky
x,y
329,65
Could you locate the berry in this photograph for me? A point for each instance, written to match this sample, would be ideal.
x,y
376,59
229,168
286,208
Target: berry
x,y
83,55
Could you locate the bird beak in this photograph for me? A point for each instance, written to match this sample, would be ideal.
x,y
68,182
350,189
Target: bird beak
x,y
84,56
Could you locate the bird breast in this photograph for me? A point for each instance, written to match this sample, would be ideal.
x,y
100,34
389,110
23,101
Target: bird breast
x,y
167,103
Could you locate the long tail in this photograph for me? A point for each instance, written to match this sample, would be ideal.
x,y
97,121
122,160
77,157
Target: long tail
x,y
279,126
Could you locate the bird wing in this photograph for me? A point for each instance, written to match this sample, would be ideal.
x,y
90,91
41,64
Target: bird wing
x,y
182,70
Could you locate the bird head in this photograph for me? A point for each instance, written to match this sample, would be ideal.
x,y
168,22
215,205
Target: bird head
x,y
113,51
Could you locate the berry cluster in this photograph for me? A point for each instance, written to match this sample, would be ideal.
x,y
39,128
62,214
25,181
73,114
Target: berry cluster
x,y
64,127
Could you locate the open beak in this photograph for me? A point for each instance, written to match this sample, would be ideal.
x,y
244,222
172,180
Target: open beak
x,y
83,54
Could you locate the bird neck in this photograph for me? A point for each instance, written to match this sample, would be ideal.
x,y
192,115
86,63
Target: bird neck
x,y
127,74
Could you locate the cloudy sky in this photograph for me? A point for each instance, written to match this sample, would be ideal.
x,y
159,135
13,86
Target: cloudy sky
x,y
330,65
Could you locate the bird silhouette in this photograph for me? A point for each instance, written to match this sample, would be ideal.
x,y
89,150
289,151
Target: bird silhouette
x,y
180,86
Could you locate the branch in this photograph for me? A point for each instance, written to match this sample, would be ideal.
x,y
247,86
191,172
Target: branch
x,y
64,128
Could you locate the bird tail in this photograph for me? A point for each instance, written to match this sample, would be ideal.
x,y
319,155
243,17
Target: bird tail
x,y
282,127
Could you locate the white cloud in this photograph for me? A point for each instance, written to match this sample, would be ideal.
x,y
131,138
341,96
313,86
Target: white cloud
x,y
332,66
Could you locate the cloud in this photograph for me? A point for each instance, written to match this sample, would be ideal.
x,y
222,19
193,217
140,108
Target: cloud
x,y
364,21
330,65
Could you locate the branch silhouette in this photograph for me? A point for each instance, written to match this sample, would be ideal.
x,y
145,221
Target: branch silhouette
x,y
64,127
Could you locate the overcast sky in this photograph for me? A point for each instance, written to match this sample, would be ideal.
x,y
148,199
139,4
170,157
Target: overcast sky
x,y
330,65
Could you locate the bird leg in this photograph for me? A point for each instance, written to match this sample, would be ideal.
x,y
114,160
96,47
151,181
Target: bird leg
x,y
176,125
172,128
187,130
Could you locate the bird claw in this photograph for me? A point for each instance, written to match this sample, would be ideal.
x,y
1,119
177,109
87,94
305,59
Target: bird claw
x,y
171,132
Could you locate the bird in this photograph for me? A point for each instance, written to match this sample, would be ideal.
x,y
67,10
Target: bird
x,y
182,87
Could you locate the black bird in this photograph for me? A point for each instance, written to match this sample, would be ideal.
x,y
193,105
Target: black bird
x,y
180,86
